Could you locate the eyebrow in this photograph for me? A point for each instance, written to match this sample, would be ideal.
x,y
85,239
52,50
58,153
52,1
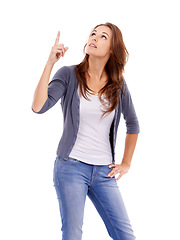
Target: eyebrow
x,y
102,32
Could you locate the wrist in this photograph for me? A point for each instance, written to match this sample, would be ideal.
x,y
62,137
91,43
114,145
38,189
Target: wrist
x,y
49,64
126,162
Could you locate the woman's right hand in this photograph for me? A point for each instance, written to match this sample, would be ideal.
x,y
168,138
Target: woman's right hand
x,y
57,50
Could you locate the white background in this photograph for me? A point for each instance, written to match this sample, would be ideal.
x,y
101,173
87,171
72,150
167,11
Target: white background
x,y
29,206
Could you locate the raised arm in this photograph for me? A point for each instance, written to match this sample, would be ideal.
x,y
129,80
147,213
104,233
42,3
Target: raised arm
x,y
41,91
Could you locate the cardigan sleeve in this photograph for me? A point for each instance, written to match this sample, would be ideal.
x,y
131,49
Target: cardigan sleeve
x,y
56,89
129,114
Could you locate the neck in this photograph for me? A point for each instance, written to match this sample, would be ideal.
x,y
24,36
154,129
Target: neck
x,y
96,68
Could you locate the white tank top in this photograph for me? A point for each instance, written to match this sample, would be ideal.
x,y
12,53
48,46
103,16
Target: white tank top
x,y
92,144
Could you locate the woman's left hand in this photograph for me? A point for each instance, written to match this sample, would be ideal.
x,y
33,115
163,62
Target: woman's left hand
x,y
118,168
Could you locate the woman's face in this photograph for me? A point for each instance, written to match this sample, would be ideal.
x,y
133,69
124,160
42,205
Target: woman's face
x,y
99,42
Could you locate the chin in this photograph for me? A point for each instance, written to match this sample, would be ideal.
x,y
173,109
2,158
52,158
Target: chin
x,y
92,54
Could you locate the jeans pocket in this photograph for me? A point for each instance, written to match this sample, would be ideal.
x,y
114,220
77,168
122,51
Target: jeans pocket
x,y
68,161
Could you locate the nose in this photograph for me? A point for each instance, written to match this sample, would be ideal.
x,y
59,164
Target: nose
x,y
94,38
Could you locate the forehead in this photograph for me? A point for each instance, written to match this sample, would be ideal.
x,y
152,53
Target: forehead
x,y
104,29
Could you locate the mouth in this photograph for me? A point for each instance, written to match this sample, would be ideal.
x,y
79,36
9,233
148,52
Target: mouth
x,y
92,45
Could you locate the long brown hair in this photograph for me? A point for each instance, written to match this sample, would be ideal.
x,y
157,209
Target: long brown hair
x,y
114,69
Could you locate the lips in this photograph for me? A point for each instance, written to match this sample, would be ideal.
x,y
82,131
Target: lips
x,y
92,45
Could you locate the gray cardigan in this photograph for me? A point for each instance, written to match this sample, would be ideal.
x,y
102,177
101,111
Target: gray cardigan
x,y
64,85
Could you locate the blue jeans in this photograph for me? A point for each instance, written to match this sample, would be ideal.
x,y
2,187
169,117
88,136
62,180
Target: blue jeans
x,y
73,181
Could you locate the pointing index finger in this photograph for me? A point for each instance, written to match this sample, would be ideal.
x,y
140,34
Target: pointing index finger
x,y
57,38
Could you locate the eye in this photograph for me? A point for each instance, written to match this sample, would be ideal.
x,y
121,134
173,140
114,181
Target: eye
x,y
104,36
93,34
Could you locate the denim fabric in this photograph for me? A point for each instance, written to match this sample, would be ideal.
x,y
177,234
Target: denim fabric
x,y
73,181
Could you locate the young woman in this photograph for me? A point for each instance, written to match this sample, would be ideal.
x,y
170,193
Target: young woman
x,y
93,95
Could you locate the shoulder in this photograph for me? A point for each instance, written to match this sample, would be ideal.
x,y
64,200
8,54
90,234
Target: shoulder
x,y
124,87
123,82
65,70
64,73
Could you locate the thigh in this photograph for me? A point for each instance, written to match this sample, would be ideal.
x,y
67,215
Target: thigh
x,y
71,193
106,197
